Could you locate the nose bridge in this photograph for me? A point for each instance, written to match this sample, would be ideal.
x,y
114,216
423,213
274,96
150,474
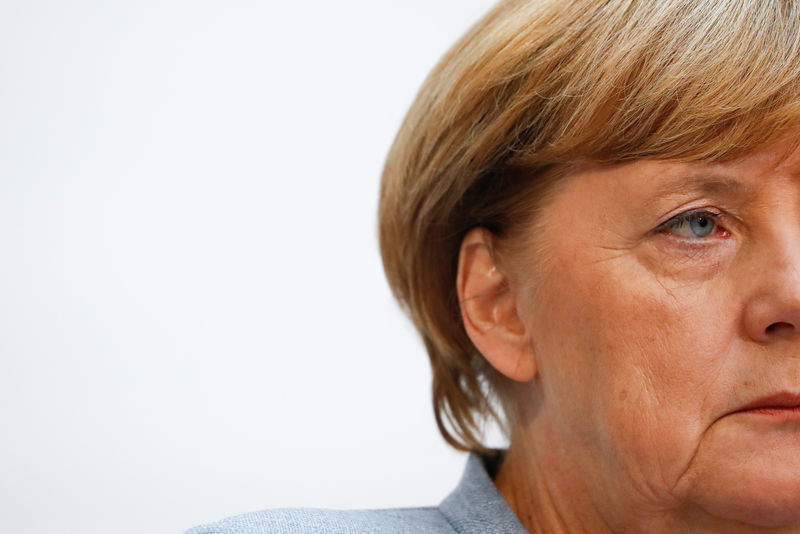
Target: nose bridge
x,y
785,259
784,253
774,307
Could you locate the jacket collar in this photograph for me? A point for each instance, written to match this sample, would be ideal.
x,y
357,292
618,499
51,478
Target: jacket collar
x,y
475,506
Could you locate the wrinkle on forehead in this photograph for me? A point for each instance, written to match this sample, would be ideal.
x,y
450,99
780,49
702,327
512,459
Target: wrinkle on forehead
x,y
730,178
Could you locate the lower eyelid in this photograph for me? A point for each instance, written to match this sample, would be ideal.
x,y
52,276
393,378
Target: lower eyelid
x,y
675,250
694,246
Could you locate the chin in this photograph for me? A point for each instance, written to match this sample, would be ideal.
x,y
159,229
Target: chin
x,y
753,493
746,470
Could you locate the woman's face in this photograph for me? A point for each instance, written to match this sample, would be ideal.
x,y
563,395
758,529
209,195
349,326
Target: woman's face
x,y
665,324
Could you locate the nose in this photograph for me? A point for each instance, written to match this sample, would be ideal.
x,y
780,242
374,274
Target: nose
x,y
773,312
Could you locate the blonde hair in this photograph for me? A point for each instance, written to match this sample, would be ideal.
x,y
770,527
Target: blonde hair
x,y
535,86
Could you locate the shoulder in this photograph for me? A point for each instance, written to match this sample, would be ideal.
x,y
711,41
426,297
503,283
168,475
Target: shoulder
x,y
427,520
474,507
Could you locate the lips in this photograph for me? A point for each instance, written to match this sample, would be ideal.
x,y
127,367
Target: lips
x,y
780,403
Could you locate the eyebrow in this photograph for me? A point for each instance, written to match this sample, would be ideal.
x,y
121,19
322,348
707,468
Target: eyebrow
x,y
704,183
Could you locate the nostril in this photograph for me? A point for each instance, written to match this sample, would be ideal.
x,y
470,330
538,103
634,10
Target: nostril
x,y
774,327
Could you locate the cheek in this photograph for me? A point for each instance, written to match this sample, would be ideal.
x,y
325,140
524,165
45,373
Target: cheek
x,y
629,363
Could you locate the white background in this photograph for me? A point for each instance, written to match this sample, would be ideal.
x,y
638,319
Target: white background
x,y
193,317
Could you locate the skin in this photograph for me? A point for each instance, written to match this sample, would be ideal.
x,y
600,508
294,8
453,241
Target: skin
x,y
634,344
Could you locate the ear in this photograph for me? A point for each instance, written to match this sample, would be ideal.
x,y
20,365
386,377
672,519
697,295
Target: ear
x,y
489,309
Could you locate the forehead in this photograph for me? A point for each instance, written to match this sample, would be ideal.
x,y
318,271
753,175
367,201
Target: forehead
x,y
782,157
661,177
650,186
738,176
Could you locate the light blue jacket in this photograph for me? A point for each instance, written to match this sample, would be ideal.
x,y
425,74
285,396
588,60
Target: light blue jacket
x,y
474,507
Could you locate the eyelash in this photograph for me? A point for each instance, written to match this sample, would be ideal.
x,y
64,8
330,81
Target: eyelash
x,y
685,218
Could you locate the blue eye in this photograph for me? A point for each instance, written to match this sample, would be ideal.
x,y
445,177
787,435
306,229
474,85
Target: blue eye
x,y
692,224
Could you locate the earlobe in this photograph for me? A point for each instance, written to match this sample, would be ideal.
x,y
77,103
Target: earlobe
x,y
489,309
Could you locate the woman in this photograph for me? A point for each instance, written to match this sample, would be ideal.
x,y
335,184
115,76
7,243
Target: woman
x,y
592,216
